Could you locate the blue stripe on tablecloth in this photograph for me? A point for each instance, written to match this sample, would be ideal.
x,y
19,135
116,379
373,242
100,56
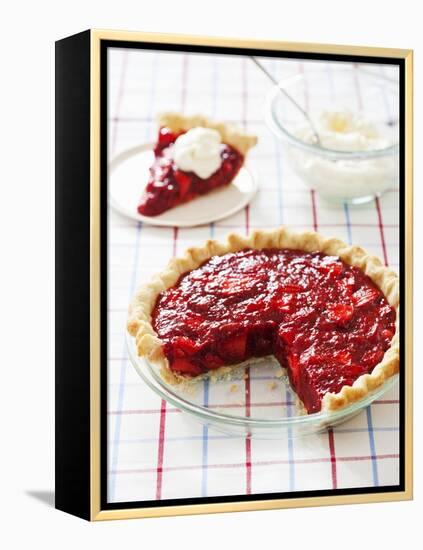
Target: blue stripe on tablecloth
x,y
122,377
123,367
205,435
289,411
383,245
348,221
112,479
218,437
350,240
163,406
372,446
368,410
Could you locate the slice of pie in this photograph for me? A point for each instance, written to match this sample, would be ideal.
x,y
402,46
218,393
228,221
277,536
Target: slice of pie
x,y
328,312
193,156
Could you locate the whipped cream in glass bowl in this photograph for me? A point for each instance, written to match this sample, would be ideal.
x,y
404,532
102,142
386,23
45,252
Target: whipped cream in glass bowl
x,y
356,115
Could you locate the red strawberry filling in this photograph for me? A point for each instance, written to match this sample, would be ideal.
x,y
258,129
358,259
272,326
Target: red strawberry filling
x,y
168,186
325,321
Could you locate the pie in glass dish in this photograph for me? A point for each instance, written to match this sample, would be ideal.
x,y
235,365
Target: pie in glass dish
x,y
328,313
193,155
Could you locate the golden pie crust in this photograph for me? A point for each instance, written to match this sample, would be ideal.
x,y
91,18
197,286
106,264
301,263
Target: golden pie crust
x,y
231,135
149,345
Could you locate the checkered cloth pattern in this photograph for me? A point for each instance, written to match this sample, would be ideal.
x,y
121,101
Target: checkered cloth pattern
x,y
155,451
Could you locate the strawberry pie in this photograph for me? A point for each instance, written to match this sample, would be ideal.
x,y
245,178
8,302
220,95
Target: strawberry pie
x,y
192,156
326,311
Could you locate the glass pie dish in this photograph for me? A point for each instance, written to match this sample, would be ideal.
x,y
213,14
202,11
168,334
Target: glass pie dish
x,y
356,115
255,401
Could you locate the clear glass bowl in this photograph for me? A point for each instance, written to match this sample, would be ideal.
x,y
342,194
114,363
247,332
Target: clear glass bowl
x,y
264,406
352,177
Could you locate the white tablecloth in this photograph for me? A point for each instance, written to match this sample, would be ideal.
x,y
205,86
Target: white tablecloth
x,y
154,451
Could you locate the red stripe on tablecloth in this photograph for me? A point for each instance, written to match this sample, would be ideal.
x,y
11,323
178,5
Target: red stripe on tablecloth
x,y
244,123
352,224
248,439
247,219
175,240
381,230
330,432
231,406
160,453
247,393
162,425
119,100
314,209
247,231
320,460
332,458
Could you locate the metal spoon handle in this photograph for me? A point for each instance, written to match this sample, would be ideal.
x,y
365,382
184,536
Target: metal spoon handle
x,y
288,96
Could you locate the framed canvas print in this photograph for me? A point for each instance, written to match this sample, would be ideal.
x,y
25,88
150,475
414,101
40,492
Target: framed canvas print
x,y
234,238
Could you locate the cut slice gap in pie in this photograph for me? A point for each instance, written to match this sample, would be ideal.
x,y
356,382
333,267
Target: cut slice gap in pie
x,y
193,156
328,312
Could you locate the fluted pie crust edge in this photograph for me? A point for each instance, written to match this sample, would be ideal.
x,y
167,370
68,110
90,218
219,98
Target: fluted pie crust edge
x,y
149,345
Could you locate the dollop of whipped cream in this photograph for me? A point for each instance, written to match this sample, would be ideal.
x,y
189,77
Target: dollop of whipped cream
x,y
198,151
344,130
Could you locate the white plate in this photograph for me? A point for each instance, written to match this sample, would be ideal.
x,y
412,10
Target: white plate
x,y
128,176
